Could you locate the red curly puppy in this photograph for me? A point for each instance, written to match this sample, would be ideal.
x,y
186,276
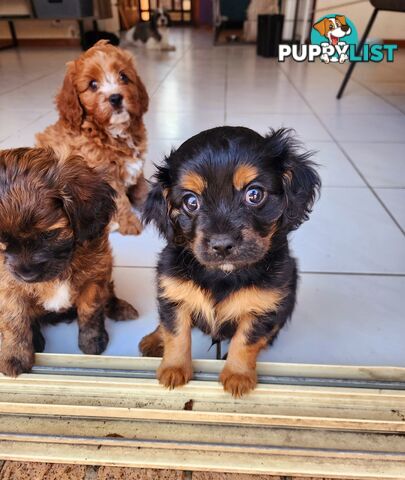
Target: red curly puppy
x,y
101,105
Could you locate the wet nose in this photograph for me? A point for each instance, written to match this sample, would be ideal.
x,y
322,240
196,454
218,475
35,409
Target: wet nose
x,y
115,99
345,28
222,245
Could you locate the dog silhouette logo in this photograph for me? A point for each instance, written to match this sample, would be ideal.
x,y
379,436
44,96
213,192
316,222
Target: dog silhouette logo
x,y
334,33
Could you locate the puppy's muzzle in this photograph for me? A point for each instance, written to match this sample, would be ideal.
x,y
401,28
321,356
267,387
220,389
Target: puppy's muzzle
x,y
116,100
28,273
221,245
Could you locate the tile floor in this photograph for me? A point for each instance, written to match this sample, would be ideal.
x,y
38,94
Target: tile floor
x,y
351,253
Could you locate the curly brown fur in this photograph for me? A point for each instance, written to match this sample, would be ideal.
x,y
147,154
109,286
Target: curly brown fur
x,y
101,106
225,201
55,258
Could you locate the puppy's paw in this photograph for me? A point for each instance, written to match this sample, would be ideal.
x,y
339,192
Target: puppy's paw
x,y
130,226
120,310
238,384
172,377
14,365
38,340
93,342
152,345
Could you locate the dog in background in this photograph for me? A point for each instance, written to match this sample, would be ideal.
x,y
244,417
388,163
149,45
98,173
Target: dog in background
x,y
225,201
334,29
153,35
55,257
101,106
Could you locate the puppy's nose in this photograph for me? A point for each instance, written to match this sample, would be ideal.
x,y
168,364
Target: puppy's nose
x,y
27,273
222,245
345,28
115,99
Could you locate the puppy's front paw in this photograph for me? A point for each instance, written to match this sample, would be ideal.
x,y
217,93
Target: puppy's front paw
x,y
238,384
92,341
14,365
120,310
172,377
152,345
130,226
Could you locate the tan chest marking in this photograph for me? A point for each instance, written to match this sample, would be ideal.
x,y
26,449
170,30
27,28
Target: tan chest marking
x,y
250,300
57,299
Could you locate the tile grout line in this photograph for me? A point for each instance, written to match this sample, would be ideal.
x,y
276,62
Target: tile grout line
x,y
364,85
25,126
305,272
344,153
28,82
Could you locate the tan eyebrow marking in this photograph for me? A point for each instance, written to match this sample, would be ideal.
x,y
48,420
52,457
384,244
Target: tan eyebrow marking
x,y
243,175
193,181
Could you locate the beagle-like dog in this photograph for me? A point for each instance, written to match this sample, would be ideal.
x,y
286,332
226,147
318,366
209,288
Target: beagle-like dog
x,y
334,29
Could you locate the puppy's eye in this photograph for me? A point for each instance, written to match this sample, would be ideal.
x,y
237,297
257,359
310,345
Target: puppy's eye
x,y
254,195
191,203
93,85
50,234
124,78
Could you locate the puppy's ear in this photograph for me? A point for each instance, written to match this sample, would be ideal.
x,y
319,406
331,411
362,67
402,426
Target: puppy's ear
x,y
88,200
300,181
322,26
342,19
67,100
143,97
157,209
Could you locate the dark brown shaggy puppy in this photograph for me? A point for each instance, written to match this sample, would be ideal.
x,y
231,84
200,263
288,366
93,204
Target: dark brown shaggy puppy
x,y
225,201
54,253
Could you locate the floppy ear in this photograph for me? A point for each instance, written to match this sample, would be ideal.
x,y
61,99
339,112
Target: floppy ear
x,y
67,100
88,200
322,26
157,209
143,97
342,19
300,181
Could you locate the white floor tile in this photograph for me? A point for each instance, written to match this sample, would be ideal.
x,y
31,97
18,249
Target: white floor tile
x,y
180,125
363,128
308,127
336,323
394,200
349,231
382,164
137,251
334,168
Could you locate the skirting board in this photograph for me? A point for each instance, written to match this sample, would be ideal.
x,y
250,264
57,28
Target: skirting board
x,y
302,420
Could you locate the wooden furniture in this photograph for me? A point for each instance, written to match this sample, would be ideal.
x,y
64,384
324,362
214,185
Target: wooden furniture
x,y
102,8
302,420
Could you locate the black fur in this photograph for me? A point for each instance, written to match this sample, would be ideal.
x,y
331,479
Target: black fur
x,y
290,183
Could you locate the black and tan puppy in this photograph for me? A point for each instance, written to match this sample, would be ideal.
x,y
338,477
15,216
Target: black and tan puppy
x,y
226,201
55,259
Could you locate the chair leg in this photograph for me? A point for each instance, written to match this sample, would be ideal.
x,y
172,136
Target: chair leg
x,y
358,50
